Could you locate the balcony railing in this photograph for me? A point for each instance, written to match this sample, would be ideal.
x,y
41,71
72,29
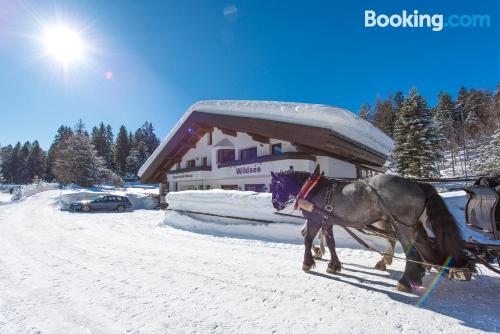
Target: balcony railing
x,y
190,169
267,158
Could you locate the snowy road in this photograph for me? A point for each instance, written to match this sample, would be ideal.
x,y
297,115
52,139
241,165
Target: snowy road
x,y
126,273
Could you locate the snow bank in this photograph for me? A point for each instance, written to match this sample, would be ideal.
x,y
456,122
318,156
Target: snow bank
x,y
244,204
341,121
234,203
22,192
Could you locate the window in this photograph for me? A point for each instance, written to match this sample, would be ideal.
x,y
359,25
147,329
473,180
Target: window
x,y
248,153
209,138
191,163
178,166
208,187
229,187
225,155
204,162
276,149
260,188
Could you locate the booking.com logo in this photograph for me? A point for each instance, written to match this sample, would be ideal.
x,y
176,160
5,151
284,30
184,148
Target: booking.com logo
x,y
416,20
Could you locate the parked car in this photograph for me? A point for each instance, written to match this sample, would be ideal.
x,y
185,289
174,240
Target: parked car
x,y
103,203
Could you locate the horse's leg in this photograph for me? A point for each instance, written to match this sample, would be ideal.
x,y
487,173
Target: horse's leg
x,y
391,244
334,264
318,252
309,234
414,272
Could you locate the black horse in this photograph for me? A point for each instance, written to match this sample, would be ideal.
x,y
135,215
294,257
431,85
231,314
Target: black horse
x,y
404,206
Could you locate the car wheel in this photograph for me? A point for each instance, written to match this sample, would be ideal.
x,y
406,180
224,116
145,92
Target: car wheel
x,y
85,208
120,208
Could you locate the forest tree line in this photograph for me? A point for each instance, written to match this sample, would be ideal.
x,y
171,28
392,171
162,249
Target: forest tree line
x,y
463,133
77,156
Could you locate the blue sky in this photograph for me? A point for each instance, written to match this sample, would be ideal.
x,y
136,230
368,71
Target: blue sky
x,y
166,55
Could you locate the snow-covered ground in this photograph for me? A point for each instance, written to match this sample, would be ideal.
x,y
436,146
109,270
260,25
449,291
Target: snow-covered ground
x,y
63,272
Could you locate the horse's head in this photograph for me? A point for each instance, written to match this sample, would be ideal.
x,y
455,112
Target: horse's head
x,y
285,187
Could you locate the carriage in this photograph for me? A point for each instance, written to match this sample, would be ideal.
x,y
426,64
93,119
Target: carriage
x,y
482,214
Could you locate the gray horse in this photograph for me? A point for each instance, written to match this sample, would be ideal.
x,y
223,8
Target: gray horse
x,y
404,206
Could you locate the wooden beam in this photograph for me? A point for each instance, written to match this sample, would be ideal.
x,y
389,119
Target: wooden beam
x,y
259,138
228,132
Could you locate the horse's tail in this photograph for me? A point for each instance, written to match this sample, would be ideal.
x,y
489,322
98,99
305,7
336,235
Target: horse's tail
x,y
449,242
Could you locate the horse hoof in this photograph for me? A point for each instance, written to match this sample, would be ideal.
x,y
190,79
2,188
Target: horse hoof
x,y
403,287
306,268
381,266
331,270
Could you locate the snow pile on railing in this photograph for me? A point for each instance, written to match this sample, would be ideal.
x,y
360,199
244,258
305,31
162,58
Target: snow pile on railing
x,y
215,212
28,190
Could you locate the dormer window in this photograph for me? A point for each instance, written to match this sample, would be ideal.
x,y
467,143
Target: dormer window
x,y
225,155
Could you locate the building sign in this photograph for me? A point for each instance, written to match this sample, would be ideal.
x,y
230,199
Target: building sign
x,y
181,176
248,170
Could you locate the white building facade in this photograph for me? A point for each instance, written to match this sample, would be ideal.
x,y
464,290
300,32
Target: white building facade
x,y
221,161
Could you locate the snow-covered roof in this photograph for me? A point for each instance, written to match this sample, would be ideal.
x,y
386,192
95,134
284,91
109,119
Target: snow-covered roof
x,y
338,120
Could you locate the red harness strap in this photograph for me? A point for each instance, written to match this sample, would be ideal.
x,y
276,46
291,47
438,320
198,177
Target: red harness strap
x,y
305,190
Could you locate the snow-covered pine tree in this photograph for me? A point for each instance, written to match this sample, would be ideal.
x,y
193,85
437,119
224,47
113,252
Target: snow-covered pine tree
x,y
102,139
443,115
22,171
384,116
121,151
6,153
62,132
417,146
36,162
365,112
2,179
138,155
496,103
77,161
488,155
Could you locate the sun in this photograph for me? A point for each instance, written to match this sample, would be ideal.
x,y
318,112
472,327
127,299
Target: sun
x,y
64,44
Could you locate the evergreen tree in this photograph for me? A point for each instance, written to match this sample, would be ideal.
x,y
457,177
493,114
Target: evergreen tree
x,y
365,112
384,116
79,128
417,144
488,155
146,135
6,153
22,172
477,112
62,133
77,161
138,155
2,179
36,162
121,152
496,104
443,117
102,139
